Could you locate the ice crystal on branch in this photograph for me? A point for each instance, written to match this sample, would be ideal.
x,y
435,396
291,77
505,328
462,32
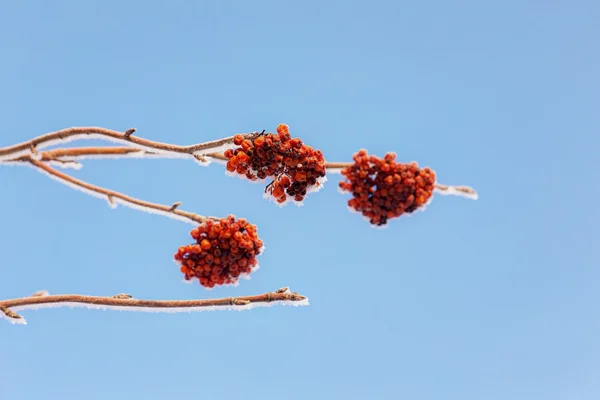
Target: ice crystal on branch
x,y
296,169
383,189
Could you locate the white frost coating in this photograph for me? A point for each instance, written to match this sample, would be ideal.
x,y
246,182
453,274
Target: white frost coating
x,y
315,188
218,161
12,163
342,191
269,197
246,275
36,156
451,191
216,149
16,154
14,321
66,164
203,163
141,153
290,199
169,310
337,171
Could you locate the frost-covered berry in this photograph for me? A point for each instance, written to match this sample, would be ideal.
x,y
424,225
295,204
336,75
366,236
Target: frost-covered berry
x,y
224,251
383,189
296,169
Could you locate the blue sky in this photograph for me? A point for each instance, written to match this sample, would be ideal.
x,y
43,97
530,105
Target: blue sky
x,y
488,299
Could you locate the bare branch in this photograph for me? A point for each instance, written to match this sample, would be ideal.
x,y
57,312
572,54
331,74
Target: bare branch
x,y
112,196
12,316
124,302
463,191
74,153
75,133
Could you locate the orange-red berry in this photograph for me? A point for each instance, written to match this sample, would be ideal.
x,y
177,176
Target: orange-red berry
x,y
223,250
238,139
383,189
295,167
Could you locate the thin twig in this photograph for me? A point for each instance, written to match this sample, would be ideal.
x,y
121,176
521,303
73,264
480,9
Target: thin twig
x,y
125,303
93,132
124,199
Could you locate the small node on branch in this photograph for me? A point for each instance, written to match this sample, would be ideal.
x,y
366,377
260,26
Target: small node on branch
x,y
174,206
129,132
40,293
240,302
122,296
111,201
33,150
283,290
10,313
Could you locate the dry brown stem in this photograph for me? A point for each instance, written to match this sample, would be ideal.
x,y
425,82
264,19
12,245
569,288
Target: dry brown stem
x,y
126,302
93,132
72,154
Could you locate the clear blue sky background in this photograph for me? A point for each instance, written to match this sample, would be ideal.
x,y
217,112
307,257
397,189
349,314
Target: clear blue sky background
x,y
493,299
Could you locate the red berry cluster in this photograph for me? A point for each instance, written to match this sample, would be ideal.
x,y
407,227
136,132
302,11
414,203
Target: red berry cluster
x,y
297,169
384,189
224,251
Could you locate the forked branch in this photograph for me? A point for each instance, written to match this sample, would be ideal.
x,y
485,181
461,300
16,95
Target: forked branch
x,y
125,302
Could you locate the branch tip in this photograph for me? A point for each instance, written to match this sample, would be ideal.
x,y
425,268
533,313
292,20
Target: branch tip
x,y
10,313
124,301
